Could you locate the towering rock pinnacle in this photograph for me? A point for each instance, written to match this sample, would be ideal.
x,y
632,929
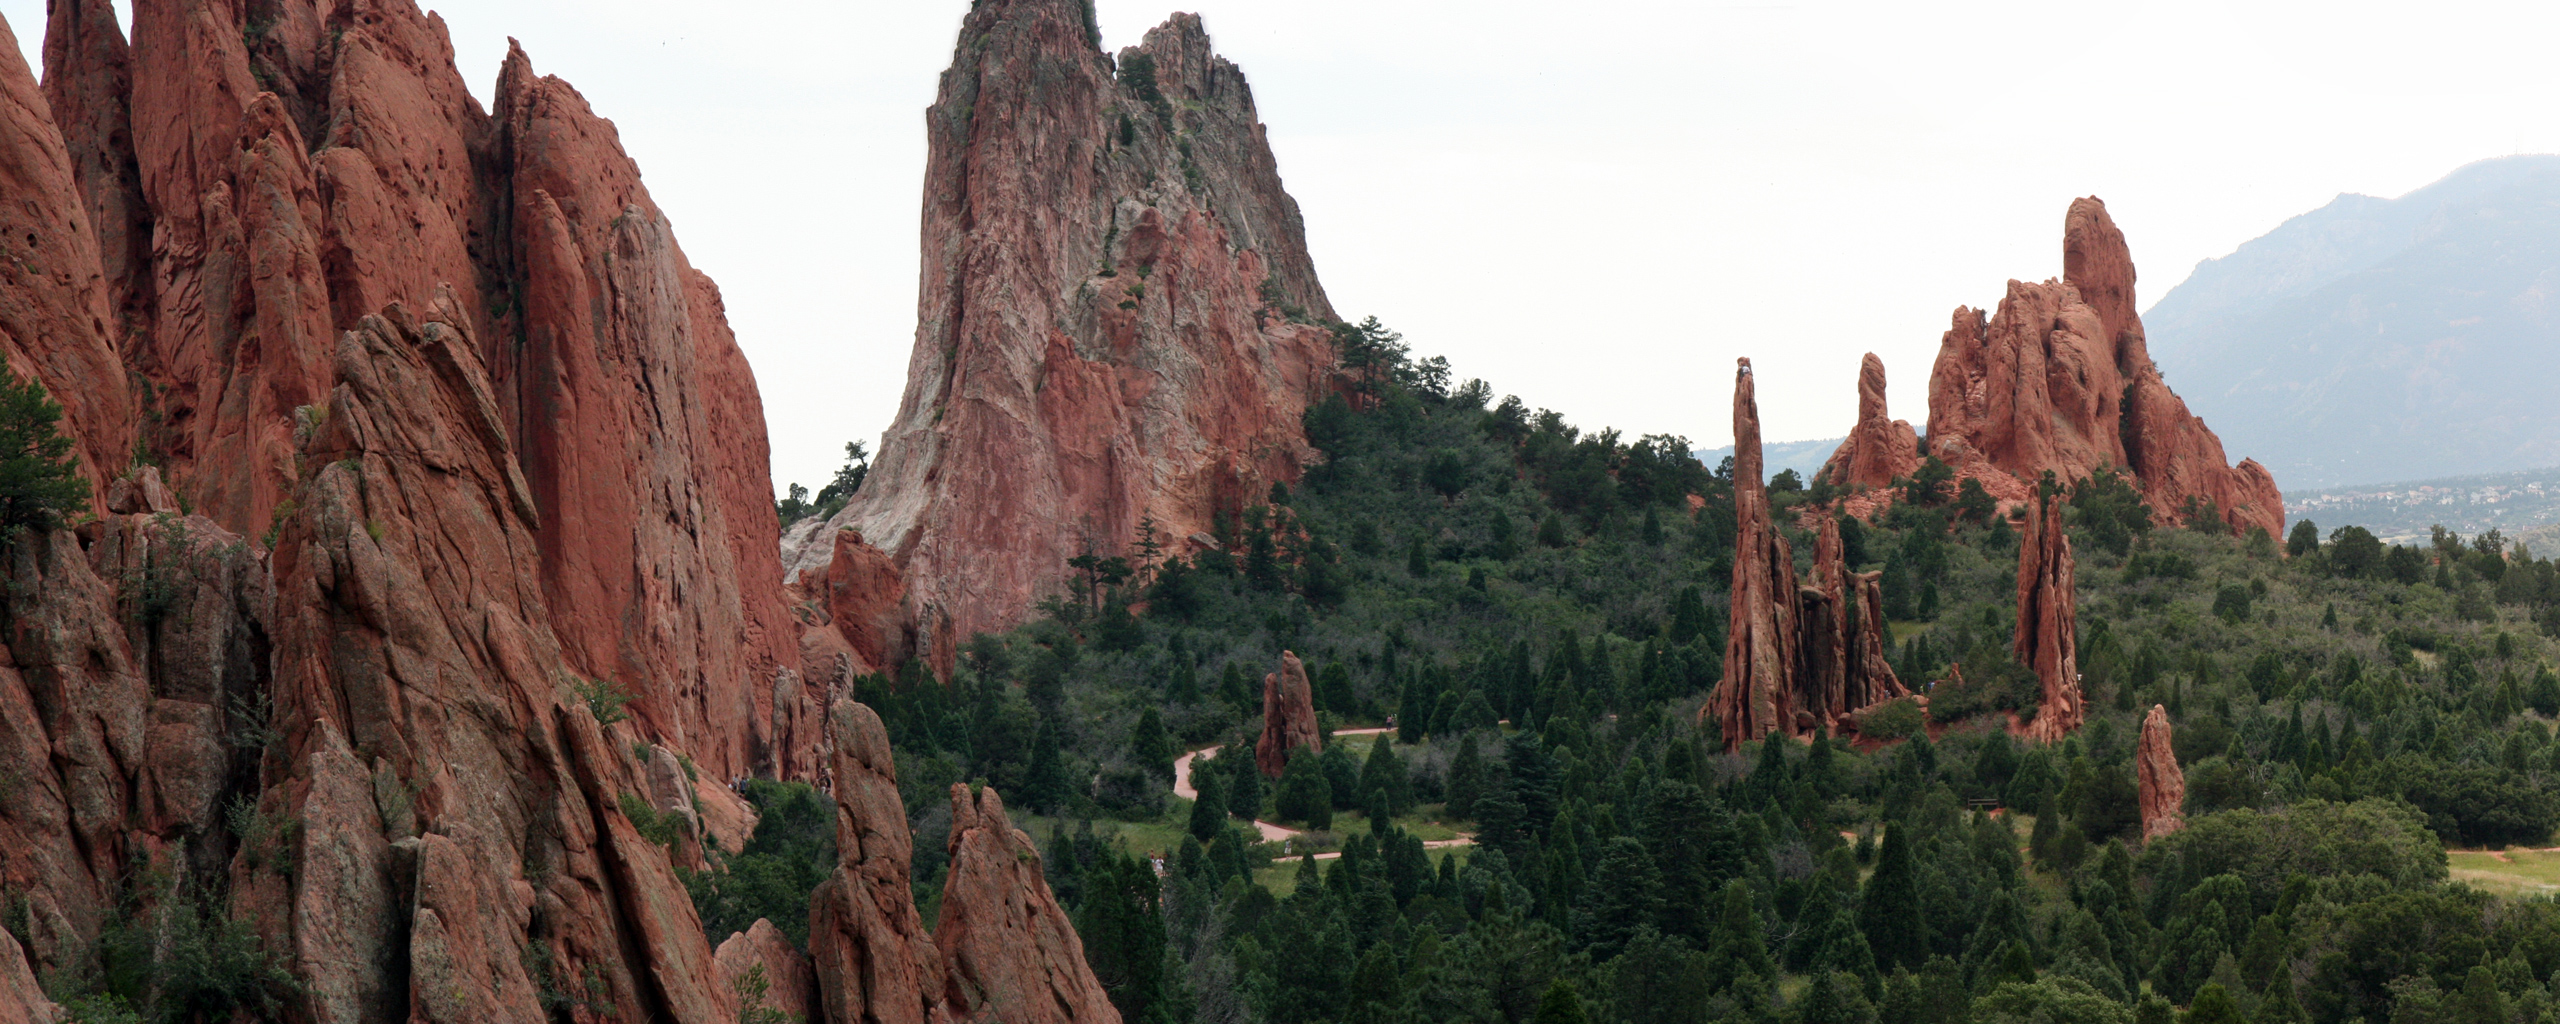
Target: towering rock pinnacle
x,y
1879,449
1755,697
1104,331
2060,379
1288,716
1799,657
2163,787
2048,628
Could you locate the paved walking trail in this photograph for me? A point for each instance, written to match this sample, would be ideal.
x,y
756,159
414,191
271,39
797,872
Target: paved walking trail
x,y
1277,833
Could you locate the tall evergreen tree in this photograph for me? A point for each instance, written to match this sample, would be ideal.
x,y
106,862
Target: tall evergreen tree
x,y
1889,909
1384,771
1123,933
1152,747
1209,811
1046,785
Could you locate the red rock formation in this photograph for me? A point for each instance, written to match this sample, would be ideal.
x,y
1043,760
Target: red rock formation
x,y
1006,943
1002,948
55,321
1101,336
789,987
255,183
866,602
2060,379
1798,657
2163,787
1879,449
411,626
867,944
1288,716
2048,628
1757,695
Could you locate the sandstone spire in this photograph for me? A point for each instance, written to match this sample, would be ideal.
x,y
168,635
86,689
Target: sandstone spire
x,y
1288,716
1756,696
1879,449
2163,786
1115,318
2048,631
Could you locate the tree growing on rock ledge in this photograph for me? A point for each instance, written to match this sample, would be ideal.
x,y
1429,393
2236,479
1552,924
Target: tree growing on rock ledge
x,y
40,483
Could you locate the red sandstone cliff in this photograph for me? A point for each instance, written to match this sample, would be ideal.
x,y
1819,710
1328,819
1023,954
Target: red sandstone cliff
x,y
2060,379
231,192
1100,333
451,367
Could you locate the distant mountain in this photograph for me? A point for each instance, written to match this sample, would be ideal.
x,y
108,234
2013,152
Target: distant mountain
x,y
2383,339
1779,456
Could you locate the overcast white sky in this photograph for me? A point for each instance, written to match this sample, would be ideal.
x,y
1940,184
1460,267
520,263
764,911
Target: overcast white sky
x,y
1595,205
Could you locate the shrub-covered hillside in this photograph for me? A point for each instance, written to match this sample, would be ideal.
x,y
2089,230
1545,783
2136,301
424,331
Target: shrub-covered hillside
x,y
1539,611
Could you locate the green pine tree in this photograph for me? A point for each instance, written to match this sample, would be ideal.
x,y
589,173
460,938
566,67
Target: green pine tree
x,y
40,483
1151,746
1209,812
1889,910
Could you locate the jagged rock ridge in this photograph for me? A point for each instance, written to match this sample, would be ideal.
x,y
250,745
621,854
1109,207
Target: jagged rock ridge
x,y
1105,326
467,446
2058,379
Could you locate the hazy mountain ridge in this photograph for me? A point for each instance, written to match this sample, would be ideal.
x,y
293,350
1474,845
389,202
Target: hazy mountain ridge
x,y
2382,339
1802,456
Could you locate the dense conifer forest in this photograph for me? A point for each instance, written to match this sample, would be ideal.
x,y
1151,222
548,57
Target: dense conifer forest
x,y
1545,831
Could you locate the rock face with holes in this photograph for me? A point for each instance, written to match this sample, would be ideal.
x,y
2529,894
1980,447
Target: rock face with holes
x,y
2059,379
2048,632
2162,786
1115,318
1288,716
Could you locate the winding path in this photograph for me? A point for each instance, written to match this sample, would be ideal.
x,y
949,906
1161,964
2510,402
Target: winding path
x,y
1272,833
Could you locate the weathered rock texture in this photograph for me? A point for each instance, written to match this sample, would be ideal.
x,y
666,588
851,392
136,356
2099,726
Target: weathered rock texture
x,y
1756,696
1288,716
2048,631
1101,333
225,197
56,324
873,959
2059,379
461,431
1799,658
789,987
1879,449
1002,949
2162,786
